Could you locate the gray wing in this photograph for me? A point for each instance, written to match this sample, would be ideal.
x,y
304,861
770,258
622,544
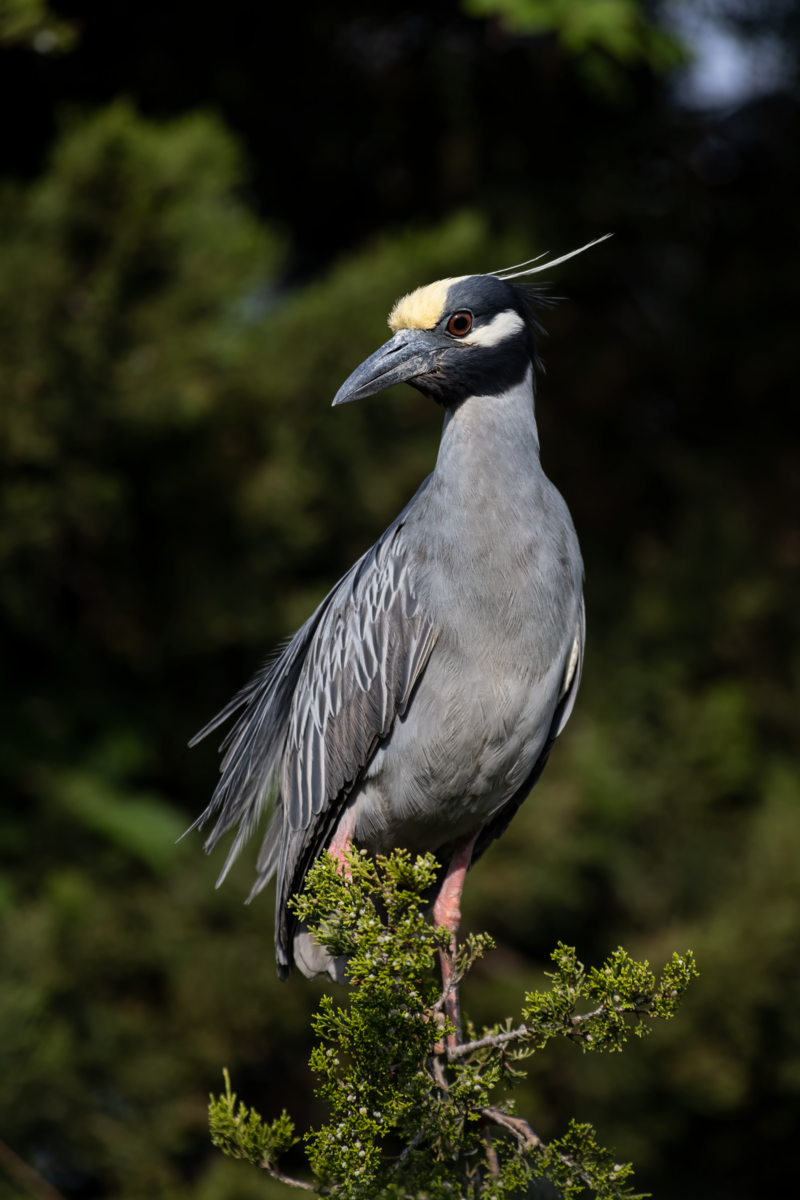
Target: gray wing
x,y
361,665
566,702
368,652
314,716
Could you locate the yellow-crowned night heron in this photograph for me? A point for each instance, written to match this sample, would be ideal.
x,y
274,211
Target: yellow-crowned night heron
x,y
418,705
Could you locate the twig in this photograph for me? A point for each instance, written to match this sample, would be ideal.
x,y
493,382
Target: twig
x,y
453,981
491,1153
436,1069
491,1039
451,987
522,1131
295,1183
528,1140
500,1039
632,1010
27,1178
412,1145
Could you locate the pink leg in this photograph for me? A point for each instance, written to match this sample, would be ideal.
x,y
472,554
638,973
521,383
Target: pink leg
x,y
447,912
342,839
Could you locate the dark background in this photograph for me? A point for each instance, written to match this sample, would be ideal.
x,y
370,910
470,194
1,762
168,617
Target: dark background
x,y
205,216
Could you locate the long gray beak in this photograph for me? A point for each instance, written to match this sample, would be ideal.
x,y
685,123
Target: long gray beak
x,y
410,353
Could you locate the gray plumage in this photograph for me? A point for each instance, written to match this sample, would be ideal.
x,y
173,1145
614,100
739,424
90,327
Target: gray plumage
x,y
420,702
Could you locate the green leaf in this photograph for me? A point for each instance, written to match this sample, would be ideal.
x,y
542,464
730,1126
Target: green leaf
x,y
244,1134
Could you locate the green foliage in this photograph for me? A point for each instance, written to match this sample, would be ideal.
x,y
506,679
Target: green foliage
x,y
31,23
621,988
389,1072
243,1134
145,826
120,275
385,1033
598,32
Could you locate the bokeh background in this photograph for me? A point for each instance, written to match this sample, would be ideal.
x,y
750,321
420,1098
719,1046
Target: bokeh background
x,y
206,212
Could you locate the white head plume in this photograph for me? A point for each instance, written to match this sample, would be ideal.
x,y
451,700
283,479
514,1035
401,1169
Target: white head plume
x,y
514,273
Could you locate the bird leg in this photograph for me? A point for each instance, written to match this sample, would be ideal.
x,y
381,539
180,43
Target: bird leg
x,y
447,912
343,840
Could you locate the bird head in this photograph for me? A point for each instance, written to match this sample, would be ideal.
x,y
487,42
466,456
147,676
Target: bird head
x,y
454,338
468,336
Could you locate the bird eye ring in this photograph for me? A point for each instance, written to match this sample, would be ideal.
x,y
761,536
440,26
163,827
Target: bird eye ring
x,y
460,324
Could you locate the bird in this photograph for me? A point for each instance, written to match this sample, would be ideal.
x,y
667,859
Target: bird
x,y
418,705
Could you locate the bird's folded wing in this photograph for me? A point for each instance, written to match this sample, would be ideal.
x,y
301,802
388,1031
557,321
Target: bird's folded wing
x,y
367,652
364,659
314,714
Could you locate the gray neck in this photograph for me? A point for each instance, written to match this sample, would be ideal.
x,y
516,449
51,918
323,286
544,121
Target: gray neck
x,y
484,513
490,444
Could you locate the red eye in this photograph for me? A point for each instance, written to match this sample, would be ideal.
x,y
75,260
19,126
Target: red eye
x,y
460,323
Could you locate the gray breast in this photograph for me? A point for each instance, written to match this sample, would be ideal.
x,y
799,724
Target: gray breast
x,y
498,570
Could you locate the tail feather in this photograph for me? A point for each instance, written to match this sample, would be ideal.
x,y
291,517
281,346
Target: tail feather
x,y
253,748
269,853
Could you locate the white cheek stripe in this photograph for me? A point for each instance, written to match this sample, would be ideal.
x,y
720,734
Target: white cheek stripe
x,y
503,326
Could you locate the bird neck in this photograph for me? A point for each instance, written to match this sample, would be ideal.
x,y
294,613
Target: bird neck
x,y
490,442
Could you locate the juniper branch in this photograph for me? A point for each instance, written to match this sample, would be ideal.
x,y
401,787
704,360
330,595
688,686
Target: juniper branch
x,y
490,1041
385,1070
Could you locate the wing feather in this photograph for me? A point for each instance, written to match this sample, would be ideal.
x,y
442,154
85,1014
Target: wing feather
x,y
313,716
367,652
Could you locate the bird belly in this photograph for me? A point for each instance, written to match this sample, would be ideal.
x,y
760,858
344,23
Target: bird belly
x,y
468,741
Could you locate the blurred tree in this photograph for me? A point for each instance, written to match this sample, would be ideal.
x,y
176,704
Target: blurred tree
x,y
599,33
32,23
356,116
